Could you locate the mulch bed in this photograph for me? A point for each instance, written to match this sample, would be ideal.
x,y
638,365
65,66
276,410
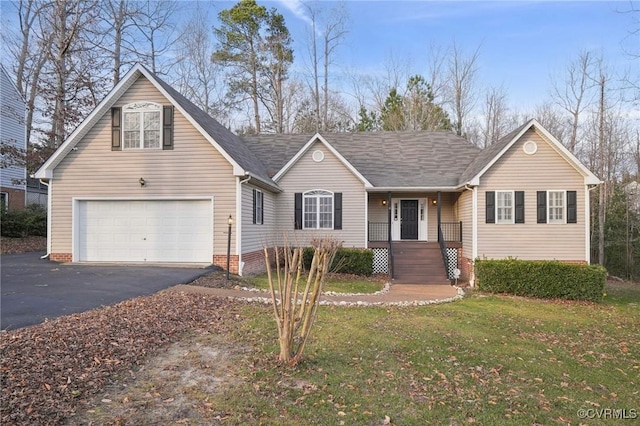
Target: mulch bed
x,y
49,371
22,245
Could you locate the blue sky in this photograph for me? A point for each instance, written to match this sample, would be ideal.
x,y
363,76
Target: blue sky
x,y
521,42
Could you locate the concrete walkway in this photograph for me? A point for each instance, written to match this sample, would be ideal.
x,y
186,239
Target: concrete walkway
x,y
394,294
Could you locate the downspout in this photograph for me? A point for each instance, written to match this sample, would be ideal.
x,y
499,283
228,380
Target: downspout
x,y
239,220
587,223
474,229
389,235
48,220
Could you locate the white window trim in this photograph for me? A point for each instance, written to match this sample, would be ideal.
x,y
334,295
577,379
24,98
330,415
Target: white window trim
x,y
5,205
564,207
259,207
318,194
513,209
141,108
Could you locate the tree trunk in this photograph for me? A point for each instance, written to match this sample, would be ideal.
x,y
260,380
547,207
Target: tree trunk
x,y
603,187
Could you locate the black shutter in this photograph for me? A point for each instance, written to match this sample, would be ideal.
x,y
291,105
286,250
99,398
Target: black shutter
x,y
115,129
261,212
337,210
254,206
297,211
542,206
519,203
490,206
167,127
572,207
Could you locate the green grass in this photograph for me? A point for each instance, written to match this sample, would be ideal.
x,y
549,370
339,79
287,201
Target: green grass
x,y
485,359
335,283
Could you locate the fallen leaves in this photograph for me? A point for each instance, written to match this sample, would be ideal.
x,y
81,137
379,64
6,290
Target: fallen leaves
x,y
22,245
49,371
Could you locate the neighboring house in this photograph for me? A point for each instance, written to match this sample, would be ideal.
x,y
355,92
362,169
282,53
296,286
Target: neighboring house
x,y
149,177
37,193
13,138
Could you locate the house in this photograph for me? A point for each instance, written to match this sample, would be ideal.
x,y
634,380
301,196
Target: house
x,y
13,173
149,177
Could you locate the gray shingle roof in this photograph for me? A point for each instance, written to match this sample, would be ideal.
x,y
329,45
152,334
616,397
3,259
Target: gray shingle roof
x,y
230,143
386,159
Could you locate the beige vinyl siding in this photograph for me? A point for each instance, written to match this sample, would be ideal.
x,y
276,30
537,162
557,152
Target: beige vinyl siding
x,y
464,209
254,236
194,168
446,213
543,171
330,175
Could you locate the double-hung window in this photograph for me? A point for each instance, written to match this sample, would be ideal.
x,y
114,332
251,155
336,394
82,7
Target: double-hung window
x,y
556,206
142,126
504,207
317,210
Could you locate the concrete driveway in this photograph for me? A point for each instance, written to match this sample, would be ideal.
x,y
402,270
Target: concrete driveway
x,y
34,289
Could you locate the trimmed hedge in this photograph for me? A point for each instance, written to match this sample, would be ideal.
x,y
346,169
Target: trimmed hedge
x,y
543,279
347,261
23,223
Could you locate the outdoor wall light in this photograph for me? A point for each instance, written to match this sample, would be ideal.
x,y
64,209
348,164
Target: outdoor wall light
x,y
142,182
384,202
434,202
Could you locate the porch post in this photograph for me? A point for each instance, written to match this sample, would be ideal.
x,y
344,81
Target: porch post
x,y
439,214
389,234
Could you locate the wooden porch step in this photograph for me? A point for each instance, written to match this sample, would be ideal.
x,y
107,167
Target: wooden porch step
x,y
418,262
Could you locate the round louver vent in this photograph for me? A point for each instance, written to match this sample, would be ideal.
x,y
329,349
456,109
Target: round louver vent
x,y
530,147
318,156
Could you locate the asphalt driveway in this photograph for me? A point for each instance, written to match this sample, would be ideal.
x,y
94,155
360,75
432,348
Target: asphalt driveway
x,y
33,289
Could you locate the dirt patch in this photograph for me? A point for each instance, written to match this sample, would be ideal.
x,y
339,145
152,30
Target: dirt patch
x,y
22,245
174,387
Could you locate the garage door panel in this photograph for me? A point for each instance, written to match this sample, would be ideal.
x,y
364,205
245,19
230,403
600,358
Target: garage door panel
x,y
145,231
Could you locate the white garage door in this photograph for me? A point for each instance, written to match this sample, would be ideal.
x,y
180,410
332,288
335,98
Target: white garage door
x,y
145,231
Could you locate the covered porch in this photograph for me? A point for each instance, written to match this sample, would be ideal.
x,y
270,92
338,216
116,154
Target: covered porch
x,y
415,236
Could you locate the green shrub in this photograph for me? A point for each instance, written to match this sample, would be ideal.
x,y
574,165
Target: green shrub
x,y
543,279
22,223
347,261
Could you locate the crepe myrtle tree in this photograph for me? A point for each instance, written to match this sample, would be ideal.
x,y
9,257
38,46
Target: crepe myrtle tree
x,y
295,299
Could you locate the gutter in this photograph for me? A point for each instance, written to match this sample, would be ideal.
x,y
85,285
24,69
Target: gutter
x,y
260,182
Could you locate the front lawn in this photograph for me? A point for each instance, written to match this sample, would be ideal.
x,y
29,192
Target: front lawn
x,y
337,283
484,360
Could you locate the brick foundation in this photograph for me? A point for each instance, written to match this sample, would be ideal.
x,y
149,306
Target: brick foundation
x,y
16,198
466,267
61,257
221,261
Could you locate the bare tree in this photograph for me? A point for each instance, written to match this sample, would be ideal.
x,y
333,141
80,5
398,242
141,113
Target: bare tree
x,y
572,93
328,29
30,51
71,83
461,84
197,77
553,120
119,33
154,20
495,110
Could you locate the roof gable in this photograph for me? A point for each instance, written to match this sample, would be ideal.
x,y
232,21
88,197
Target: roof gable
x,y
490,155
318,138
230,146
